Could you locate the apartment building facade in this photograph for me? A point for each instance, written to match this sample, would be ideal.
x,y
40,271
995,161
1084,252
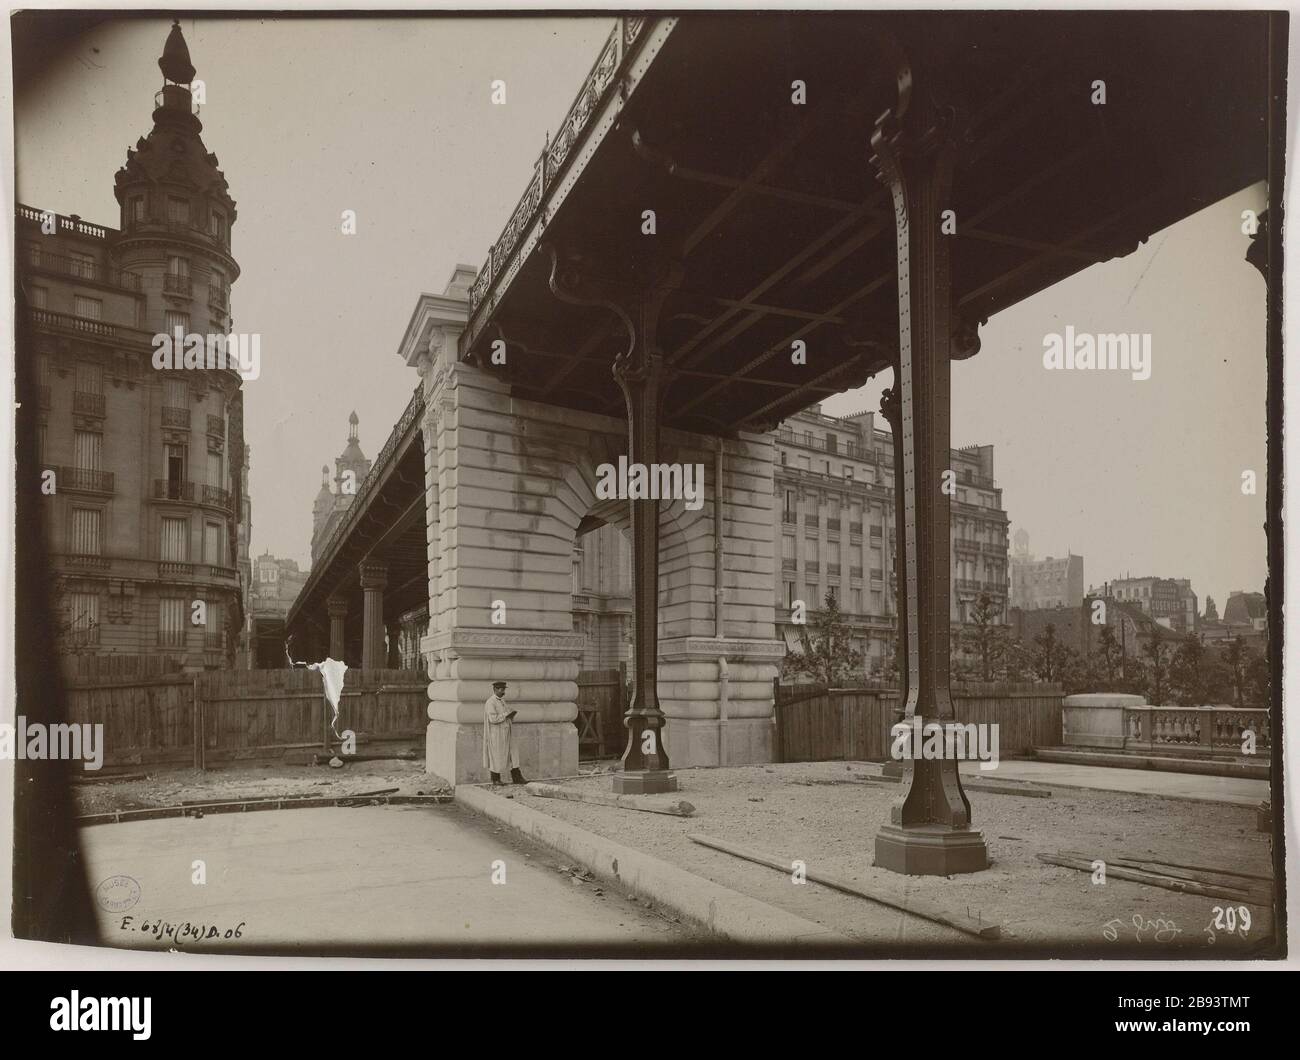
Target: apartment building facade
x,y
835,515
143,471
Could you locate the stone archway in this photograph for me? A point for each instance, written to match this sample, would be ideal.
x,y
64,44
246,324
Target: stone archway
x,y
509,483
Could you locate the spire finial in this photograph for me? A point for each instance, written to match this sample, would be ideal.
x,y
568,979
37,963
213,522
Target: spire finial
x,y
175,62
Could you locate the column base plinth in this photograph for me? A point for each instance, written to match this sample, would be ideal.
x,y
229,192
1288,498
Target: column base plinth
x,y
930,850
645,782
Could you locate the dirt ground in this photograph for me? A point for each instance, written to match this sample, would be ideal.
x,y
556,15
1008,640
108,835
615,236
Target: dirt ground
x,y
826,814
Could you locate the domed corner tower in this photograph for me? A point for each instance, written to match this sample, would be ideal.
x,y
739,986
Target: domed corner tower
x,y
176,210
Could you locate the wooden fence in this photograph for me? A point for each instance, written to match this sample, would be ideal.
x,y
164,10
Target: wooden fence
x,y
815,724
218,715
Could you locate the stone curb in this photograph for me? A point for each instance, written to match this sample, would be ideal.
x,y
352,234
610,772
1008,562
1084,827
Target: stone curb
x,y
154,813
718,909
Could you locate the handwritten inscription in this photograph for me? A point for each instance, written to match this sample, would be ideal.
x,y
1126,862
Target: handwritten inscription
x,y
183,933
1142,928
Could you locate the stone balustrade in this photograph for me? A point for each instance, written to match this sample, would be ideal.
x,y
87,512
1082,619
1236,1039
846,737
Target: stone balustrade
x,y
1207,728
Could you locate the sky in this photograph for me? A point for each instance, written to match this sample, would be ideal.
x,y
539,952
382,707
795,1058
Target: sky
x,y
394,119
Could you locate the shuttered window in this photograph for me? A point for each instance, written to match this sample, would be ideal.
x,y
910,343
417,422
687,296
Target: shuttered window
x,y
90,308
83,612
40,297
212,545
175,394
214,616
85,531
87,450
171,616
215,469
173,319
90,378
175,540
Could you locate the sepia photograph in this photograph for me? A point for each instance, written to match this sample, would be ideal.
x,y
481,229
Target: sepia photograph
x,y
691,485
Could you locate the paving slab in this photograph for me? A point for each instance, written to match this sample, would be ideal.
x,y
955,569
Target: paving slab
x,y
401,876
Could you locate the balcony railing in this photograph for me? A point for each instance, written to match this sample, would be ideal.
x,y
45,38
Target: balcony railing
x,y
82,270
832,570
790,517
789,564
812,520
83,325
995,587
83,479
216,425
175,568
171,489
216,497
222,572
217,297
87,404
1209,728
71,223
968,478
171,638
855,572
173,417
968,585
812,566
214,641
994,549
833,523
174,284
855,528
88,562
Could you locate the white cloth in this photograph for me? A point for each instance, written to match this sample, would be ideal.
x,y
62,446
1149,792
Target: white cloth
x,y
332,671
499,755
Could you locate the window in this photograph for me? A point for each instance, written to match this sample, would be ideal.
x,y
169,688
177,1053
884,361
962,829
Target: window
x,y
215,470
787,548
810,550
178,266
136,210
40,297
178,210
171,621
848,473
855,600
175,540
212,544
217,224
789,594
214,616
87,450
90,377
83,616
174,467
90,308
81,265
173,319
85,532
175,393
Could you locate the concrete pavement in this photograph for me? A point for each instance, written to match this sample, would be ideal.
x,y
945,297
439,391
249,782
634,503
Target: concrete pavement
x,y
332,877
1197,787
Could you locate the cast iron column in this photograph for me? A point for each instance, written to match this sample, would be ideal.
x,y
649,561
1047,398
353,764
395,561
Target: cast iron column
x,y
891,409
929,831
374,578
337,607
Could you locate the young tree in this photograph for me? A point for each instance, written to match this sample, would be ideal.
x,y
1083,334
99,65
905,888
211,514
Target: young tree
x,y
1238,658
1109,655
827,655
1047,655
1156,649
985,638
1186,681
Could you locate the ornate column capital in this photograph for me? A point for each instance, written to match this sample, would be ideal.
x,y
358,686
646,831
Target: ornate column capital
x,y
337,607
374,575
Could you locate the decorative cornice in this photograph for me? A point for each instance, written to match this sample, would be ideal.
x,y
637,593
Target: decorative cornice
x,y
713,647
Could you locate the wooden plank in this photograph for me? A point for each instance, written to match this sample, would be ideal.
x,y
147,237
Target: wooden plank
x,y
916,907
678,808
1168,883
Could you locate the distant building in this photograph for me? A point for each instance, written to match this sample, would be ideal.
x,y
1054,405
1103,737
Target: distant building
x,y
276,583
1245,616
834,516
1049,582
1169,601
332,500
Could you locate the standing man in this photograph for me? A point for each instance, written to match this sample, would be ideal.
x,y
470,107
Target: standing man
x,y
498,747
